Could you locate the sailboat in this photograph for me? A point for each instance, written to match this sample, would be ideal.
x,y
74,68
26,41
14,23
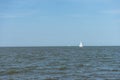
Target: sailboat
x,y
81,45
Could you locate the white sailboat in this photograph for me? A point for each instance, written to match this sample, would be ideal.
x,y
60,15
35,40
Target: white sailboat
x,y
81,45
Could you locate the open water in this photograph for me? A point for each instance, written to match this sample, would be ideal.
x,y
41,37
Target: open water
x,y
60,63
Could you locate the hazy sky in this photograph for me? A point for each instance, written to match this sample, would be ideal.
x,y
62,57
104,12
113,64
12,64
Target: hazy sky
x,y
59,22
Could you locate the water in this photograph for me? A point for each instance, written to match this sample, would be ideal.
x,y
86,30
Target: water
x,y
60,63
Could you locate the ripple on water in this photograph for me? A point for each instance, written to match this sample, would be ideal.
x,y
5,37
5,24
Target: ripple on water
x,y
60,63
13,71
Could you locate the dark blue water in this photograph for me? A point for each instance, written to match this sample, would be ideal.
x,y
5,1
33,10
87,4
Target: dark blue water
x,y
60,63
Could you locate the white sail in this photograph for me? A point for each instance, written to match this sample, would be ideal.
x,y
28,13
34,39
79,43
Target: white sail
x,y
81,44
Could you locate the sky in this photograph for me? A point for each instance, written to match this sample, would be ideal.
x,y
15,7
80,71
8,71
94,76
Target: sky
x,y
59,22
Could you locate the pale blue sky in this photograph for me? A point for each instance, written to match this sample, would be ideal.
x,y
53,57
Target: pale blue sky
x,y
59,22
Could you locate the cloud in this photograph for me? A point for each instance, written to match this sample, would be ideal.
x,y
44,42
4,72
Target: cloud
x,y
18,14
88,0
8,16
111,12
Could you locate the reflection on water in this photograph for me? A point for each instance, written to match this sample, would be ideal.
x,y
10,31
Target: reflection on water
x,y
60,63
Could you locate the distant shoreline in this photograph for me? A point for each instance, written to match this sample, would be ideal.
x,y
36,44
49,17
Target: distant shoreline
x,y
51,46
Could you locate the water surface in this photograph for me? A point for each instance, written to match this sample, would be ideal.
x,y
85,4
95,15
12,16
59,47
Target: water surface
x,y
60,63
